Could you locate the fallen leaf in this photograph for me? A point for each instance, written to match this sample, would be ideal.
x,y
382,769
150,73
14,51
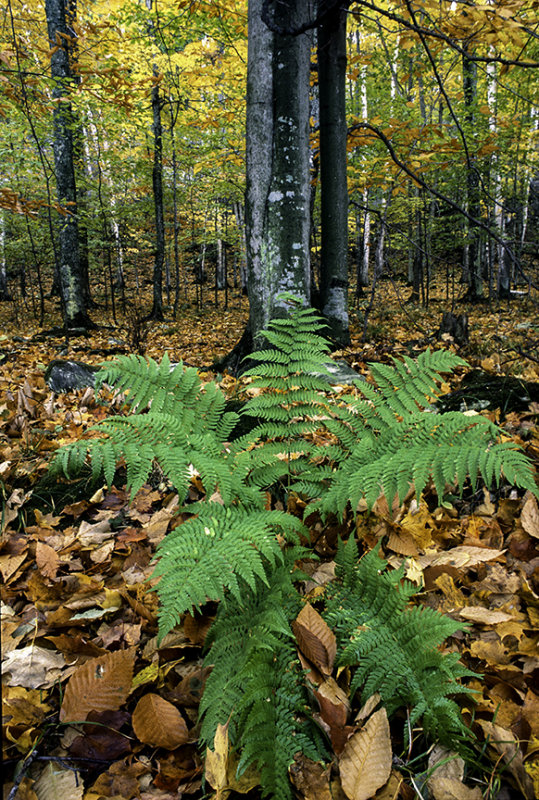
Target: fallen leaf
x,y
485,616
311,779
529,518
33,667
221,768
315,639
47,560
507,746
56,781
365,764
159,723
101,684
463,557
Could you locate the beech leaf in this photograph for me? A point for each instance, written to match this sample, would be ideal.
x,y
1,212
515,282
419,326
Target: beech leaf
x,y
315,639
365,764
101,684
159,723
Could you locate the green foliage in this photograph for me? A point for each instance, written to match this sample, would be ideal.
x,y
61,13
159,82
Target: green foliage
x,y
175,421
393,647
257,682
404,441
230,548
220,551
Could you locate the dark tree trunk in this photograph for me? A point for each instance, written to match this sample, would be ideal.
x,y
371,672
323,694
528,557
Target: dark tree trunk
x,y
333,163
69,265
157,180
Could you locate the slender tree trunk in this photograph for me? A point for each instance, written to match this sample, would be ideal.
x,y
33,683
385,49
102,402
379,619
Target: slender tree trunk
x,y
157,181
4,290
69,266
333,163
474,266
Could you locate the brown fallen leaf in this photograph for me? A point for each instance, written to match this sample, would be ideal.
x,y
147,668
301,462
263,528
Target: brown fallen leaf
x,y
56,781
315,639
365,764
101,684
311,779
47,560
446,770
507,746
529,518
485,616
159,723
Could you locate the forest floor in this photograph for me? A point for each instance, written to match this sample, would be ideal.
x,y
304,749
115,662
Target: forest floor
x,y
73,568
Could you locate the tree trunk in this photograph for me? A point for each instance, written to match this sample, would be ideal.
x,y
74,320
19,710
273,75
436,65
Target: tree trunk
x,y
277,156
474,261
4,290
69,266
333,163
157,182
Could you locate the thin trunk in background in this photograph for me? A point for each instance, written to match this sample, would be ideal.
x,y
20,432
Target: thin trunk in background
x,y
157,183
474,259
333,170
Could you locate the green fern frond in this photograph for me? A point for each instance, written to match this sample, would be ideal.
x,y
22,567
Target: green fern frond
x,y
219,551
394,648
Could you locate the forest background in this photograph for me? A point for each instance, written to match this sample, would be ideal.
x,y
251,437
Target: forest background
x,y
144,207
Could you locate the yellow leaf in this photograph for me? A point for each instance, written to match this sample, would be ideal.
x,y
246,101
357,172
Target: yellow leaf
x,y
365,764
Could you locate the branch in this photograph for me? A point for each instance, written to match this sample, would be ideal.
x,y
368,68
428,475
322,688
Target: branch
x,y
437,34
435,193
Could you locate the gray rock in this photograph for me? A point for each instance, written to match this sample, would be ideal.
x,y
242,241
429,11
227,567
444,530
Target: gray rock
x,y
65,376
340,373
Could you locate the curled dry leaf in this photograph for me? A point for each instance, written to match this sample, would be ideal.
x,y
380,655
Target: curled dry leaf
x,y
446,769
315,639
101,684
221,767
159,723
33,667
485,616
365,764
507,746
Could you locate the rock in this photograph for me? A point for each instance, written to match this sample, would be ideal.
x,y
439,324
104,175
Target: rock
x,y
481,390
340,373
65,376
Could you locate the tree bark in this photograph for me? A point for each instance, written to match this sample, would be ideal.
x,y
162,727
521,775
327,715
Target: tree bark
x,y
69,266
333,164
474,263
157,182
277,156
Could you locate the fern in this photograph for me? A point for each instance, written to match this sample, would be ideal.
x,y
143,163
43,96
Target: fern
x,y
257,683
240,554
175,422
218,551
392,647
403,442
